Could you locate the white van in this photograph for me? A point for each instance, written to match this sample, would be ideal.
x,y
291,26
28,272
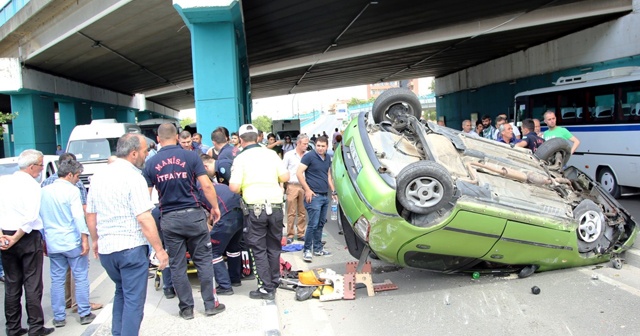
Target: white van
x,y
94,143
149,127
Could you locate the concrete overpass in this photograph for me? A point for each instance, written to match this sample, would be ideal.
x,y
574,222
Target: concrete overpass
x,y
218,54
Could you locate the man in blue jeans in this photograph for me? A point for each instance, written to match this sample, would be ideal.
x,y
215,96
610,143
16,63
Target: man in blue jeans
x,y
119,206
67,238
314,174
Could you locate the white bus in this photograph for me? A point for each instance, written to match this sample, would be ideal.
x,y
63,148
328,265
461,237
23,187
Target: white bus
x,y
602,109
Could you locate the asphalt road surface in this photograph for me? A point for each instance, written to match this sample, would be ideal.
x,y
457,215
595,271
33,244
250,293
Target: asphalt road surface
x,y
594,300
326,122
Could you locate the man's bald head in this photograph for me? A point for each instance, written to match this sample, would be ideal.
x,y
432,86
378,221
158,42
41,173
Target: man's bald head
x,y
167,131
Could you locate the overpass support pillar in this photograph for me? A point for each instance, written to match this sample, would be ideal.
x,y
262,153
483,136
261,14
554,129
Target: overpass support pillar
x,y
34,127
98,112
220,68
144,115
72,114
6,139
126,115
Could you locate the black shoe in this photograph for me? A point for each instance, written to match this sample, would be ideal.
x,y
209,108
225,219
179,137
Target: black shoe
x,y
59,323
187,314
22,331
261,294
224,291
87,319
236,284
300,239
169,293
217,310
45,331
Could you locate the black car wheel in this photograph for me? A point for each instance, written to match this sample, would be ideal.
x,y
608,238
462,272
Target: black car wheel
x,y
591,226
394,103
556,152
608,180
424,187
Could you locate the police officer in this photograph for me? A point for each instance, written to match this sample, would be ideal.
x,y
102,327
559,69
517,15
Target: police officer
x,y
175,173
262,193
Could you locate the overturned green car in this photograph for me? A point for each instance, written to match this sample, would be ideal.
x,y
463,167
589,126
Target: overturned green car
x,y
429,197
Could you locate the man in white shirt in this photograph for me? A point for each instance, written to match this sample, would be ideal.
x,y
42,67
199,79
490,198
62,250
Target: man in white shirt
x,y
120,222
468,130
67,235
295,193
21,244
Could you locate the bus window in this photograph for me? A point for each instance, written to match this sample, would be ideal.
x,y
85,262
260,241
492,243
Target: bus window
x,y
630,103
571,107
541,104
602,104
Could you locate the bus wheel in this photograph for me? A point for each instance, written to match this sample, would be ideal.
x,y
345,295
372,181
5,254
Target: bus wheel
x,y
556,152
609,182
394,103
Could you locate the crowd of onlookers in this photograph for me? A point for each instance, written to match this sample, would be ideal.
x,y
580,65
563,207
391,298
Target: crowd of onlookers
x,y
530,137
223,204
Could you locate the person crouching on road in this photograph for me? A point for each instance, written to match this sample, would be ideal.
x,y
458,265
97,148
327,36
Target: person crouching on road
x,y
314,174
226,233
120,222
67,238
261,191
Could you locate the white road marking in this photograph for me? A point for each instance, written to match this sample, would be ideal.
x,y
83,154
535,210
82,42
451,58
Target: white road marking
x,y
98,281
634,251
612,282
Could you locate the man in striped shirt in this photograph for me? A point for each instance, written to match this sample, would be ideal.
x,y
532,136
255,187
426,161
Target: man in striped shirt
x,y
119,220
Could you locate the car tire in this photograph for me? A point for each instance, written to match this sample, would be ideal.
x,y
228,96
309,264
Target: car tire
x,y
608,181
556,152
424,187
591,226
395,102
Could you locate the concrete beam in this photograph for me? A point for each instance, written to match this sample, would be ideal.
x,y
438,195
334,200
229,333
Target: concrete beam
x,y
499,24
43,23
70,21
179,86
15,79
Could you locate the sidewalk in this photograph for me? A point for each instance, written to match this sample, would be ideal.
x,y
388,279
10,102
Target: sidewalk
x,y
243,316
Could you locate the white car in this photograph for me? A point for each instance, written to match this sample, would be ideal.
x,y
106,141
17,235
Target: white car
x,y
10,165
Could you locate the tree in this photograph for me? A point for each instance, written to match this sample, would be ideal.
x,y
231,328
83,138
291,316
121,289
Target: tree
x,y
263,123
186,122
4,117
356,101
429,114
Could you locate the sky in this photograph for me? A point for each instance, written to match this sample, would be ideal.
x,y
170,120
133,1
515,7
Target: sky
x,y
287,106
